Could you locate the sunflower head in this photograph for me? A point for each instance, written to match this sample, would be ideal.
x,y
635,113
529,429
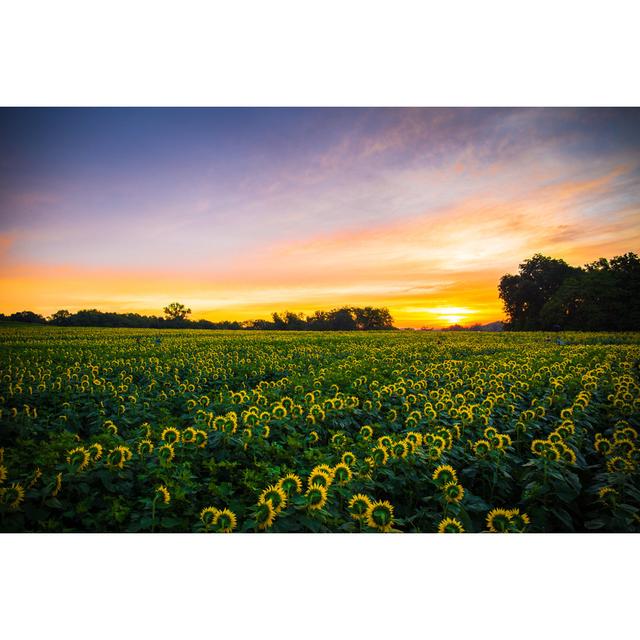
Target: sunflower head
x,y
348,458
519,521
166,454
145,447
208,515
617,464
498,521
313,437
552,452
608,495
78,458
279,412
567,453
505,441
490,432
170,435
95,451
538,447
385,441
189,435
444,474
379,455
164,493
450,525
201,439
400,449
453,492
481,448
379,515
319,477
119,456
341,473
290,484
12,496
316,496
366,432
338,439
276,495
359,505
602,446
225,521
3,473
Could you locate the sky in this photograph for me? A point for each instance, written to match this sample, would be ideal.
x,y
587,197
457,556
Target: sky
x,y
241,212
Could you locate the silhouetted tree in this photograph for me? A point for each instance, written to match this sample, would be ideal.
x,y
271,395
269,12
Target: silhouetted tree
x,y
27,316
176,311
525,294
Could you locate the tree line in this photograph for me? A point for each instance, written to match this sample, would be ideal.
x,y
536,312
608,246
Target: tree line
x,y
175,317
549,294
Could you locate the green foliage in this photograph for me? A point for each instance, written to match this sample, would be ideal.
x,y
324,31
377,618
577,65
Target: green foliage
x,y
109,430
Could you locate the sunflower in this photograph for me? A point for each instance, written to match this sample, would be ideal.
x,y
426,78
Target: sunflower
x,y
316,496
79,458
453,492
385,441
58,486
379,515
400,449
380,455
164,492
319,477
189,435
323,468
201,438
95,451
3,473
439,442
359,505
224,521
279,412
618,464
566,453
450,525
481,448
145,447
208,515
341,473
12,496
166,453
519,521
538,447
118,456
552,452
624,446
608,495
276,495
602,446
498,520
444,474
290,484
415,438
348,458
170,435
366,432
505,441
313,437
490,432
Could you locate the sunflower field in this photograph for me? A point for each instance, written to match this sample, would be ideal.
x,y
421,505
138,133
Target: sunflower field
x,y
117,430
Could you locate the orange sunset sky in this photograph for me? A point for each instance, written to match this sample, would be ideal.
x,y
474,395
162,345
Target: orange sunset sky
x,y
240,212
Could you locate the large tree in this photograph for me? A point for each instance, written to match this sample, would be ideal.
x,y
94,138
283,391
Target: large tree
x,y
176,311
525,294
